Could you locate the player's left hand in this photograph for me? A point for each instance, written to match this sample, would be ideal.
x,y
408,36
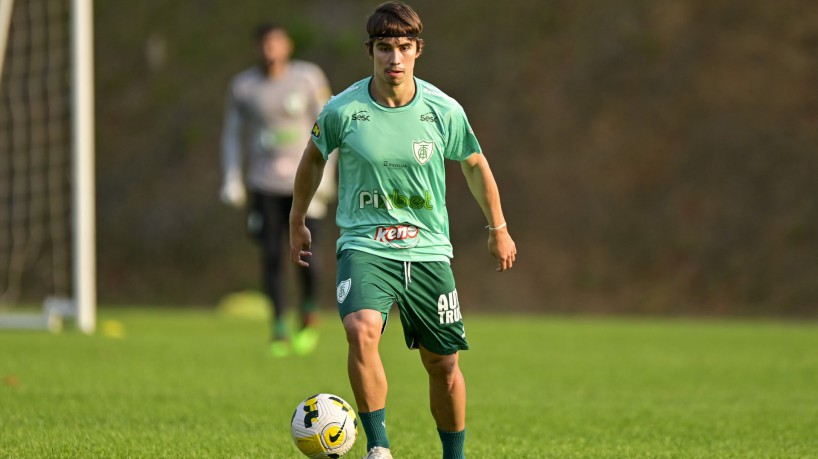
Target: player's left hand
x,y
502,247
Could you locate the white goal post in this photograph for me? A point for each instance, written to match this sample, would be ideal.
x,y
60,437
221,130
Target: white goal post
x,y
5,19
35,167
82,47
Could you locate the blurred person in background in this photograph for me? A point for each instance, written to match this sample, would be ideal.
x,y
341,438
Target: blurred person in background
x,y
393,132
270,111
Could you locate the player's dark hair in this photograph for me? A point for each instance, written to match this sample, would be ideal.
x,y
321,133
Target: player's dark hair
x,y
392,20
263,29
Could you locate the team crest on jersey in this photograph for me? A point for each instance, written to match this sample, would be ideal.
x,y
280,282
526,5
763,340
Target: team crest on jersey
x,y
316,131
423,151
343,290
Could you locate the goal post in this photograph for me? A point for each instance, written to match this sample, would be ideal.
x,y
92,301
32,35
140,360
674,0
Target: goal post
x,y
5,19
47,204
82,51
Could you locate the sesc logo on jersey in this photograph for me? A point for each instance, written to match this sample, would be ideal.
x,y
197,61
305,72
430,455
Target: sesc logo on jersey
x,y
316,131
423,151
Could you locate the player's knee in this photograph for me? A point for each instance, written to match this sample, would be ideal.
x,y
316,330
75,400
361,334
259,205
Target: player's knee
x,y
363,328
440,365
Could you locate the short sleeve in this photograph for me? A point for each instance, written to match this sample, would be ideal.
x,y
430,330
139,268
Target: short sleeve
x,y
326,132
460,140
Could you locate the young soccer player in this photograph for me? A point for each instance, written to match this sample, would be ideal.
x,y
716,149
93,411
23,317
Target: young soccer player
x,y
270,109
393,132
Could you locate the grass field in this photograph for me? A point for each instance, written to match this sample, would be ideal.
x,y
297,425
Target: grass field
x,y
199,385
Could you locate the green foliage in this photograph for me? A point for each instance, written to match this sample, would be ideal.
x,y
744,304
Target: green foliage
x,y
197,384
654,157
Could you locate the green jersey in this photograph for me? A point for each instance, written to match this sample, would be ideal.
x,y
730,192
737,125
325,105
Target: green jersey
x,y
392,179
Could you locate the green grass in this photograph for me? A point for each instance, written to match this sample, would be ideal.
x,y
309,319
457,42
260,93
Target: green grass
x,y
198,385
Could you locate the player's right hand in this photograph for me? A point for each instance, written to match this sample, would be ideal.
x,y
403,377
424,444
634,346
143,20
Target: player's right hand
x,y
300,243
233,193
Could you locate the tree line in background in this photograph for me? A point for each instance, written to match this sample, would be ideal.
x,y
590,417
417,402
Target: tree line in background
x,y
653,157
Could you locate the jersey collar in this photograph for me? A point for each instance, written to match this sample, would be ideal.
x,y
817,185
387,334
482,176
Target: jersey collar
x,y
415,100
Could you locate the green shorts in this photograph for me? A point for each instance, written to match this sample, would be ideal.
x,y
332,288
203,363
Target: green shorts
x,y
424,292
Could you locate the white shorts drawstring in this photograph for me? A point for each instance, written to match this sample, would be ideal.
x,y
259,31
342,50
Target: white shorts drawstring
x,y
407,273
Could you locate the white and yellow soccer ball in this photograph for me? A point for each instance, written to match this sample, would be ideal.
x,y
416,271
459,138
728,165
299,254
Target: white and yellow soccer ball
x,y
324,426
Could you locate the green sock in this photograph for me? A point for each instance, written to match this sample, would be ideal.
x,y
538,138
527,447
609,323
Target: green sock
x,y
308,306
375,428
280,329
453,444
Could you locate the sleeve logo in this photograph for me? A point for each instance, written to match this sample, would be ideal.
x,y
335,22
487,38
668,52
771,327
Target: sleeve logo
x,y
316,131
423,151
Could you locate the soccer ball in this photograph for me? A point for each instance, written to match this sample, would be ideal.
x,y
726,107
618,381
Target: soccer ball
x,y
324,426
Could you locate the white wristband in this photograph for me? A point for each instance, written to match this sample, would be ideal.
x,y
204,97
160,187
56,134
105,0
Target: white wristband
x,y
494,228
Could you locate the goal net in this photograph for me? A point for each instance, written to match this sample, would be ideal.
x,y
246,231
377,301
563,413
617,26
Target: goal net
x,y
46,179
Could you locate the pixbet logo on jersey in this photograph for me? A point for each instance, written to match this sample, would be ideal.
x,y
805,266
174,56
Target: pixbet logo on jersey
x,y
396,200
